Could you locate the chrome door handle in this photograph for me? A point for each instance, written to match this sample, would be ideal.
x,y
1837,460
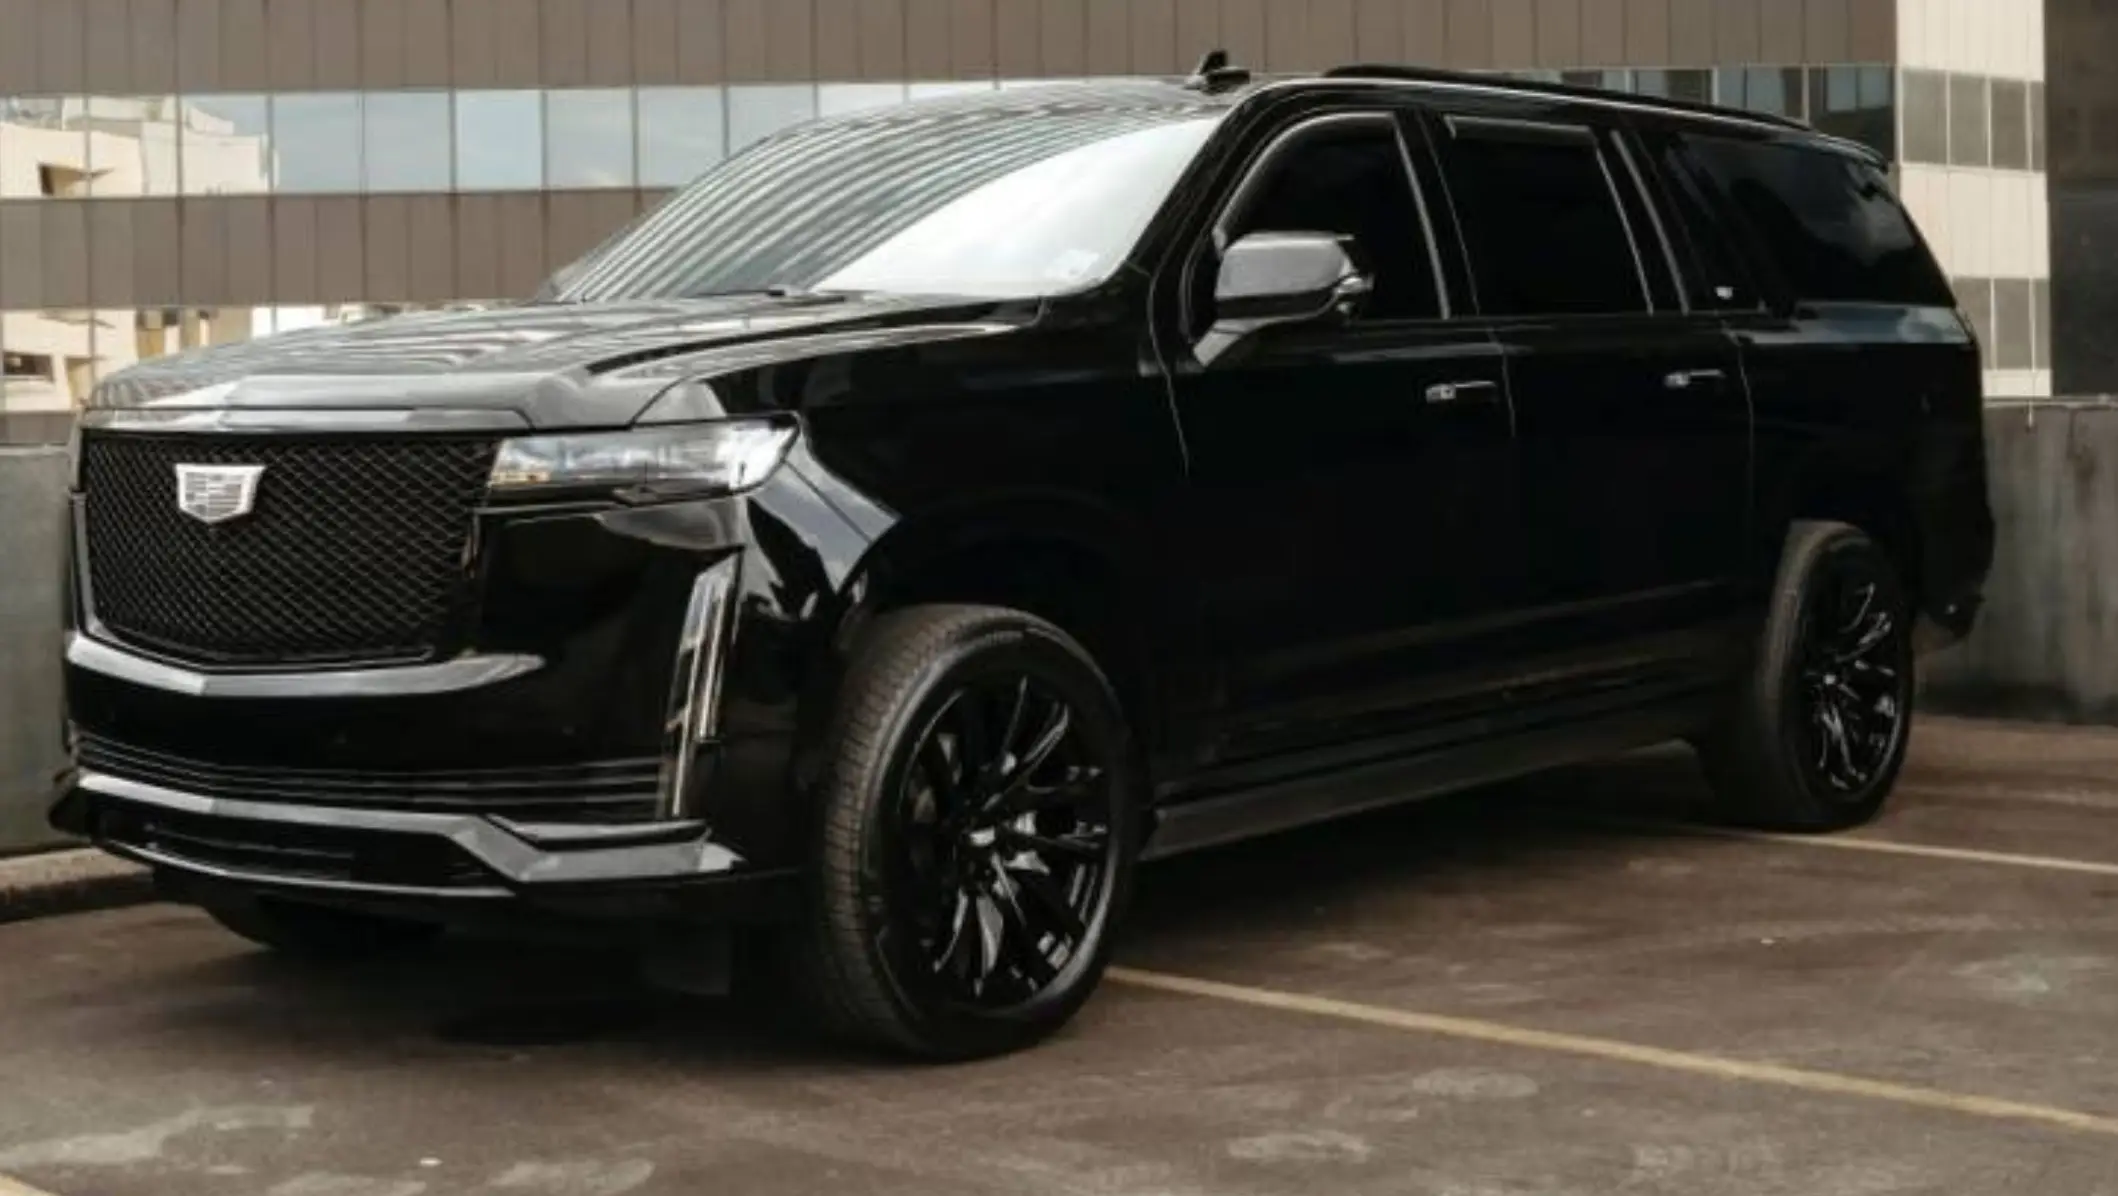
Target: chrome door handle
x,y
1455,392
1686,379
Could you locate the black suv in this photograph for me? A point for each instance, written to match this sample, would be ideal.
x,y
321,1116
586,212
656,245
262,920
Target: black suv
x,y
930,514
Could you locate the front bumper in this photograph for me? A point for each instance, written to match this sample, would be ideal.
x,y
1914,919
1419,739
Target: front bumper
x,y
633,672
439,864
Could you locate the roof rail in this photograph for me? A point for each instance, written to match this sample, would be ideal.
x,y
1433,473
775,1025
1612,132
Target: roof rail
x,y
1417,74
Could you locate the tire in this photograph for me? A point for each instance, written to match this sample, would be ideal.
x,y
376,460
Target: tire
x,y
314,932
958,911
1816,737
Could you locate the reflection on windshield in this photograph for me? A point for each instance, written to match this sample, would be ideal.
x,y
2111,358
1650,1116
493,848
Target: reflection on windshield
x,y
1043,195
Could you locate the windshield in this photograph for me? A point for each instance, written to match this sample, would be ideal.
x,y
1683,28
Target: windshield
x,y
984,199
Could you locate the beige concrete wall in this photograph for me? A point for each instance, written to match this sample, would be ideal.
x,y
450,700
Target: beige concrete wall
x,y
154,47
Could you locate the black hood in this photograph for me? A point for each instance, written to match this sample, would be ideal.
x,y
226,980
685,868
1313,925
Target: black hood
x,y
546,365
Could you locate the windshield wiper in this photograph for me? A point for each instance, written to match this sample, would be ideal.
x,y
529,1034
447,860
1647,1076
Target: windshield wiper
x,y
762,292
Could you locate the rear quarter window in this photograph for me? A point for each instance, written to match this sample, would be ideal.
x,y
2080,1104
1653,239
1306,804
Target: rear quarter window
x,y
1825,221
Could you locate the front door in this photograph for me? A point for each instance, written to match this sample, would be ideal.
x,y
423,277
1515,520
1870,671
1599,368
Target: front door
x,y
1632,421
1351,490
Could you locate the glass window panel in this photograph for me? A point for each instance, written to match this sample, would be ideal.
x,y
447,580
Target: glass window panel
x,y
226,145
1697,86
1350,180
1607,80
838,99
1039,205
929,91
1975,297
499,141
2011,325
1544,231
132,144
2037,126
588,138
1969,139
1854,102
318,142
408,143
1834,89
755,113
45,149
1775,91
1827,223
1926,108
2011,124
1878,110
683,132
2041,323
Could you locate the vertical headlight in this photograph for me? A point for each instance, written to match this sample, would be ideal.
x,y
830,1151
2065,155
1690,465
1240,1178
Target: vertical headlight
x,y
652,465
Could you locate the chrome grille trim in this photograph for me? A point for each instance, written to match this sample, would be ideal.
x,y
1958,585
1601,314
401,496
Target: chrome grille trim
x,y
695,681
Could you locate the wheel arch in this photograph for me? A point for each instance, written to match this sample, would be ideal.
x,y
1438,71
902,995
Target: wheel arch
x,y
1861,496
1084,567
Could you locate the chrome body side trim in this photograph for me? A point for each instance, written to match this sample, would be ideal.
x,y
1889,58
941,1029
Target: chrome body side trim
x,y
695,682
517,861
450,676
1654,217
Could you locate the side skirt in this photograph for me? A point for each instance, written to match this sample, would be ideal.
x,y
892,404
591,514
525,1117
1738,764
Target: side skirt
x,y
1337,793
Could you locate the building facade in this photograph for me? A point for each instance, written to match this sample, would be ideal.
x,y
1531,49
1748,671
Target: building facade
x,y
179,173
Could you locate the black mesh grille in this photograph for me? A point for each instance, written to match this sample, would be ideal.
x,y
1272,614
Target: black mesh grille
x,y
355,549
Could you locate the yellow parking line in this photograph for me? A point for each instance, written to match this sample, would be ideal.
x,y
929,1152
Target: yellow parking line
x,y
1712,1066
1878,846
15,1187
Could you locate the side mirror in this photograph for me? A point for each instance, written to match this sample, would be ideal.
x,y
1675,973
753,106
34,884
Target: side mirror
x,y
1280,278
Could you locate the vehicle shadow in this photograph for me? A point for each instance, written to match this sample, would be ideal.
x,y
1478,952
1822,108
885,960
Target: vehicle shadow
x,y
479,997
1574,820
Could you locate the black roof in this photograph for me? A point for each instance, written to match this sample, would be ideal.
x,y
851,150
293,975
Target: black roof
x,y
1413,74
1217,86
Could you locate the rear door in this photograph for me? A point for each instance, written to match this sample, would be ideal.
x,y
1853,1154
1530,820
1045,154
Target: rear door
x,y
1632,421
1865,377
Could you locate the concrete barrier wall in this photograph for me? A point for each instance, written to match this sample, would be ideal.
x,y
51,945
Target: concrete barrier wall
x,y
32,524
2046,646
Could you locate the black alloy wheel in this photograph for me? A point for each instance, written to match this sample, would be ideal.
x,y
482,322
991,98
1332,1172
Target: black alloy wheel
x,y
1003,831
1818,731
1854,681
978,827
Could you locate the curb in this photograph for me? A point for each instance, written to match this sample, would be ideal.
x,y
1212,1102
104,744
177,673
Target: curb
x,y
69,882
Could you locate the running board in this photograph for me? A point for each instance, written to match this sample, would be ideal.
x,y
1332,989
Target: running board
x,y
1320,797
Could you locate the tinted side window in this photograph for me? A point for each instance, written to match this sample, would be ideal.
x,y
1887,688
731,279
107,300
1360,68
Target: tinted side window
x,y
1349,177
1541,221
1717,279
1827,222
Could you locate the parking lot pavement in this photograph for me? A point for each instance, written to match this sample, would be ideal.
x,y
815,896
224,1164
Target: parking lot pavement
x,y
1543,988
